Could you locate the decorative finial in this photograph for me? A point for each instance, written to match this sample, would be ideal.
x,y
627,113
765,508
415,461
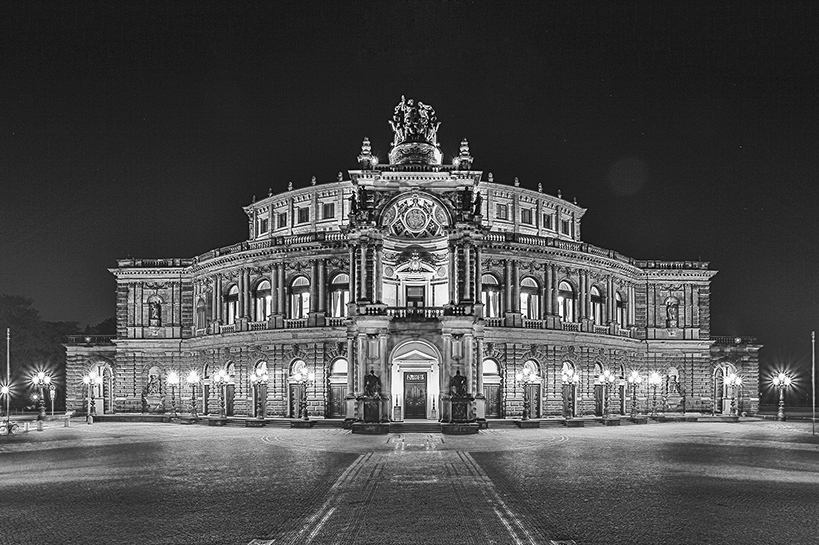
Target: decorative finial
x,y
540,187
365,160
575,200
464,160
517,182
491,177
290,186
313,180
340,176
559,194
269,191
254,198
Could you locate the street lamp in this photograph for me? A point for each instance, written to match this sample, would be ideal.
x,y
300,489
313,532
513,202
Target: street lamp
x,y
90,380
221,379
654,380
570,378
173,380
52,393
608,381
193,380
8,427
305,379
781,381
41,380
634,379
525,379
733,381
257,379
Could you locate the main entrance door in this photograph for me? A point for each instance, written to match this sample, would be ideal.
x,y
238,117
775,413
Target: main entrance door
x,y
415,395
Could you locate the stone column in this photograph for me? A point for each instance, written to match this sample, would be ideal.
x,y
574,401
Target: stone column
x,y
467,272
555,290
353,275
240,300
377,273
507,282
274,286
322,286
214,297
581,300
282,289
456,283
478,275
515,287
363,279
219,299
452,278
313,286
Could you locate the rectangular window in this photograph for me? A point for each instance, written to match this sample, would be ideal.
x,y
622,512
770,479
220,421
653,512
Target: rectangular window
x,y
329,210
564,227
282,220
304,215
502,212
547,221
262,226
526,216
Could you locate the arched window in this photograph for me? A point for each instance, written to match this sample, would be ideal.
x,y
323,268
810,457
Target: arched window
x,y
154,311
621,309
201,314
533,368
230,369
490,368
598,373
529,298
596,305
264,301
260,368
490,296
565,301
339,295
300,298
232,305
339,368
297,367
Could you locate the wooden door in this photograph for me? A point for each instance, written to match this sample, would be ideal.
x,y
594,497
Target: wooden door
x,y
295,400
337,405
415,395
598,400
533,394
230,394
492,394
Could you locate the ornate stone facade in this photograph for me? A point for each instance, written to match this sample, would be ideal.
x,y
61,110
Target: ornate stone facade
x,y
414,272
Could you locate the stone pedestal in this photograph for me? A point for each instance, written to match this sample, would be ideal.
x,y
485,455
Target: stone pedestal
x,y
372,409
531,423
459,409
371,428
611,421
574,423
302,423
255,423
217,421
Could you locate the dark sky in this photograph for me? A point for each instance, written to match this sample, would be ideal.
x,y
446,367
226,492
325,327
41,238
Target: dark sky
x,y
689,130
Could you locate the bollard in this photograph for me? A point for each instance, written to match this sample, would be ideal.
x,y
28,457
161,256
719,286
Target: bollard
x,y
39,425
27,427
67,422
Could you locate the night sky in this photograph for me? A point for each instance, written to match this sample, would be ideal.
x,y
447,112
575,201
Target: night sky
x,y
688,130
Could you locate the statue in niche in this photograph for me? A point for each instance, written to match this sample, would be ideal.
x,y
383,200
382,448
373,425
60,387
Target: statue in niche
x,y
672,307
457,385
478,204
154,313
372,385
153,385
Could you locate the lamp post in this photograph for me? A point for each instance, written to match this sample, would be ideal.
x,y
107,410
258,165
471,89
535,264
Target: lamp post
x,y
221,379
654,380
193,380
608,381
257,379
781,381
305,379
52,393
733,381
634,379
525,379
8,427
570,378
41,381
173,380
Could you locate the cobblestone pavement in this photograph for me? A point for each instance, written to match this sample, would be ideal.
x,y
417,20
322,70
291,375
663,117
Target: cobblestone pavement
x,y
750,483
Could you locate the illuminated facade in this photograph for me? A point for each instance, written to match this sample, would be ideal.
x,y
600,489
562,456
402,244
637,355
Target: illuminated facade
x,y
414,272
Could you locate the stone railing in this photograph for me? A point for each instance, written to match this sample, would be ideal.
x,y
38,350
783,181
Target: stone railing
x,y
258,326
415,313
296,323
624,332
227,328
200,332
725,340
91,339
570,326
336,321
601,330
534,324
493,322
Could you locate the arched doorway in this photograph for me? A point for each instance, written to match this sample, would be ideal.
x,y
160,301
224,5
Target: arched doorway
x,y
533,390
571,379
336,404
415,377
492,388
722,393
100,393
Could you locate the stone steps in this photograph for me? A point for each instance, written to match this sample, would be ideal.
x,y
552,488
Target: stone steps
x,y
422,426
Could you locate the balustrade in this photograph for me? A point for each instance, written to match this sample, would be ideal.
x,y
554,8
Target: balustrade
x,y
571,326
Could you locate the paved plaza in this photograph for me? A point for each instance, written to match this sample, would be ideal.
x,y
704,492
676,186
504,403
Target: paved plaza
x,y
748,482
